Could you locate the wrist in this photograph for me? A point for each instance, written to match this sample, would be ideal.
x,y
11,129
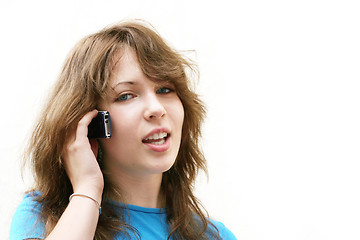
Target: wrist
x,y
98,205
95,193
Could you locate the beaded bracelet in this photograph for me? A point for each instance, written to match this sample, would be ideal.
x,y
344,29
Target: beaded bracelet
x,y
86,196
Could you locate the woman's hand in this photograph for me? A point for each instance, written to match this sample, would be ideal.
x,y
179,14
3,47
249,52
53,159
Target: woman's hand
x,y
80,218
79,156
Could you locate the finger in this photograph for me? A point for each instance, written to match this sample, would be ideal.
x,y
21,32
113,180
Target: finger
x,y
82,128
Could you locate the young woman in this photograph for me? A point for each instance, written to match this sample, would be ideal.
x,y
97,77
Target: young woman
x,y
138,184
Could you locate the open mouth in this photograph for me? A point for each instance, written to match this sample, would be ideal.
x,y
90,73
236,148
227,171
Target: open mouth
x,y
157,138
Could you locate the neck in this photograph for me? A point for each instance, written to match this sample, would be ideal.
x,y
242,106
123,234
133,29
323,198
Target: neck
x,y
139,190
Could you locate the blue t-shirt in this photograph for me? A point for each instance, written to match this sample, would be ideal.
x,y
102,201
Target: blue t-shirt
x,y
151,223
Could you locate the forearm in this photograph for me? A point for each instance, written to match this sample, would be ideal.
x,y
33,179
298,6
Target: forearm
x,y
78,221
80,218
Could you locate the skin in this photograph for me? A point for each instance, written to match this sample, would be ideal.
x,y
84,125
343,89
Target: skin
x,y
137,106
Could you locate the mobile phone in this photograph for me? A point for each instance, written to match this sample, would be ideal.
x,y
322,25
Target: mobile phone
x,y
100,126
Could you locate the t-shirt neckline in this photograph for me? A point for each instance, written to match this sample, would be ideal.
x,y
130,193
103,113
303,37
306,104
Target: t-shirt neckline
x,y
138,208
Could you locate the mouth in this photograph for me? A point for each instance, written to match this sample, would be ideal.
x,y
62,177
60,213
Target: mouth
x,y
157,138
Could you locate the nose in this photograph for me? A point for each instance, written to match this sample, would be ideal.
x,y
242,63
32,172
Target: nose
x,y
154,108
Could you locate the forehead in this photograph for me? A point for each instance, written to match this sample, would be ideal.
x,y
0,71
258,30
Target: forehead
x,y
126,68
123,59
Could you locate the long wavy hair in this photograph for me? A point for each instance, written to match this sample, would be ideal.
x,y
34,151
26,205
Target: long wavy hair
x,y
83,82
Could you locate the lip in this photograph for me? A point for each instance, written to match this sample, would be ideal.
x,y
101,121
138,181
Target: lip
x,y
158,148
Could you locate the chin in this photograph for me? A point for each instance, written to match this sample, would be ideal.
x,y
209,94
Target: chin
x,y
162,167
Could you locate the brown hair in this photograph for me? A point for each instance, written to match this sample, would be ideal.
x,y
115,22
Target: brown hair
x,y
84,81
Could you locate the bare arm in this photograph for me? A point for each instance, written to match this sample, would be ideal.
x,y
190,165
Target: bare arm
x,y
80,218
79,221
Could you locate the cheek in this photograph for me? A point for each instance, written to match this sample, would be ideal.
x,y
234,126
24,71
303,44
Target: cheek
x,y
177,112
123,119
124,126
181,115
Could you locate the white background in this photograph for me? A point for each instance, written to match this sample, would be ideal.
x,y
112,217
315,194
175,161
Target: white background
x,y
281,82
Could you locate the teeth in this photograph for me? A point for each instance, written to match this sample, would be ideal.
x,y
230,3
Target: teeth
x,y
159,142
156,136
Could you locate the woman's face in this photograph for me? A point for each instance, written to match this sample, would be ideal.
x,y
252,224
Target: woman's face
x,y
147,119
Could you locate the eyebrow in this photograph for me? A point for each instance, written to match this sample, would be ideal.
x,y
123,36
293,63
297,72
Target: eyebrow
x,y
124,82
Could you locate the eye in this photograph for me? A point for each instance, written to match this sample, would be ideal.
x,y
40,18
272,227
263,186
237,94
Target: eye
x,y
164,90
125,97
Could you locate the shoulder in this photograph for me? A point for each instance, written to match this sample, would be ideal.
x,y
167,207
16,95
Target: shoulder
x,y
26,222
225,233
